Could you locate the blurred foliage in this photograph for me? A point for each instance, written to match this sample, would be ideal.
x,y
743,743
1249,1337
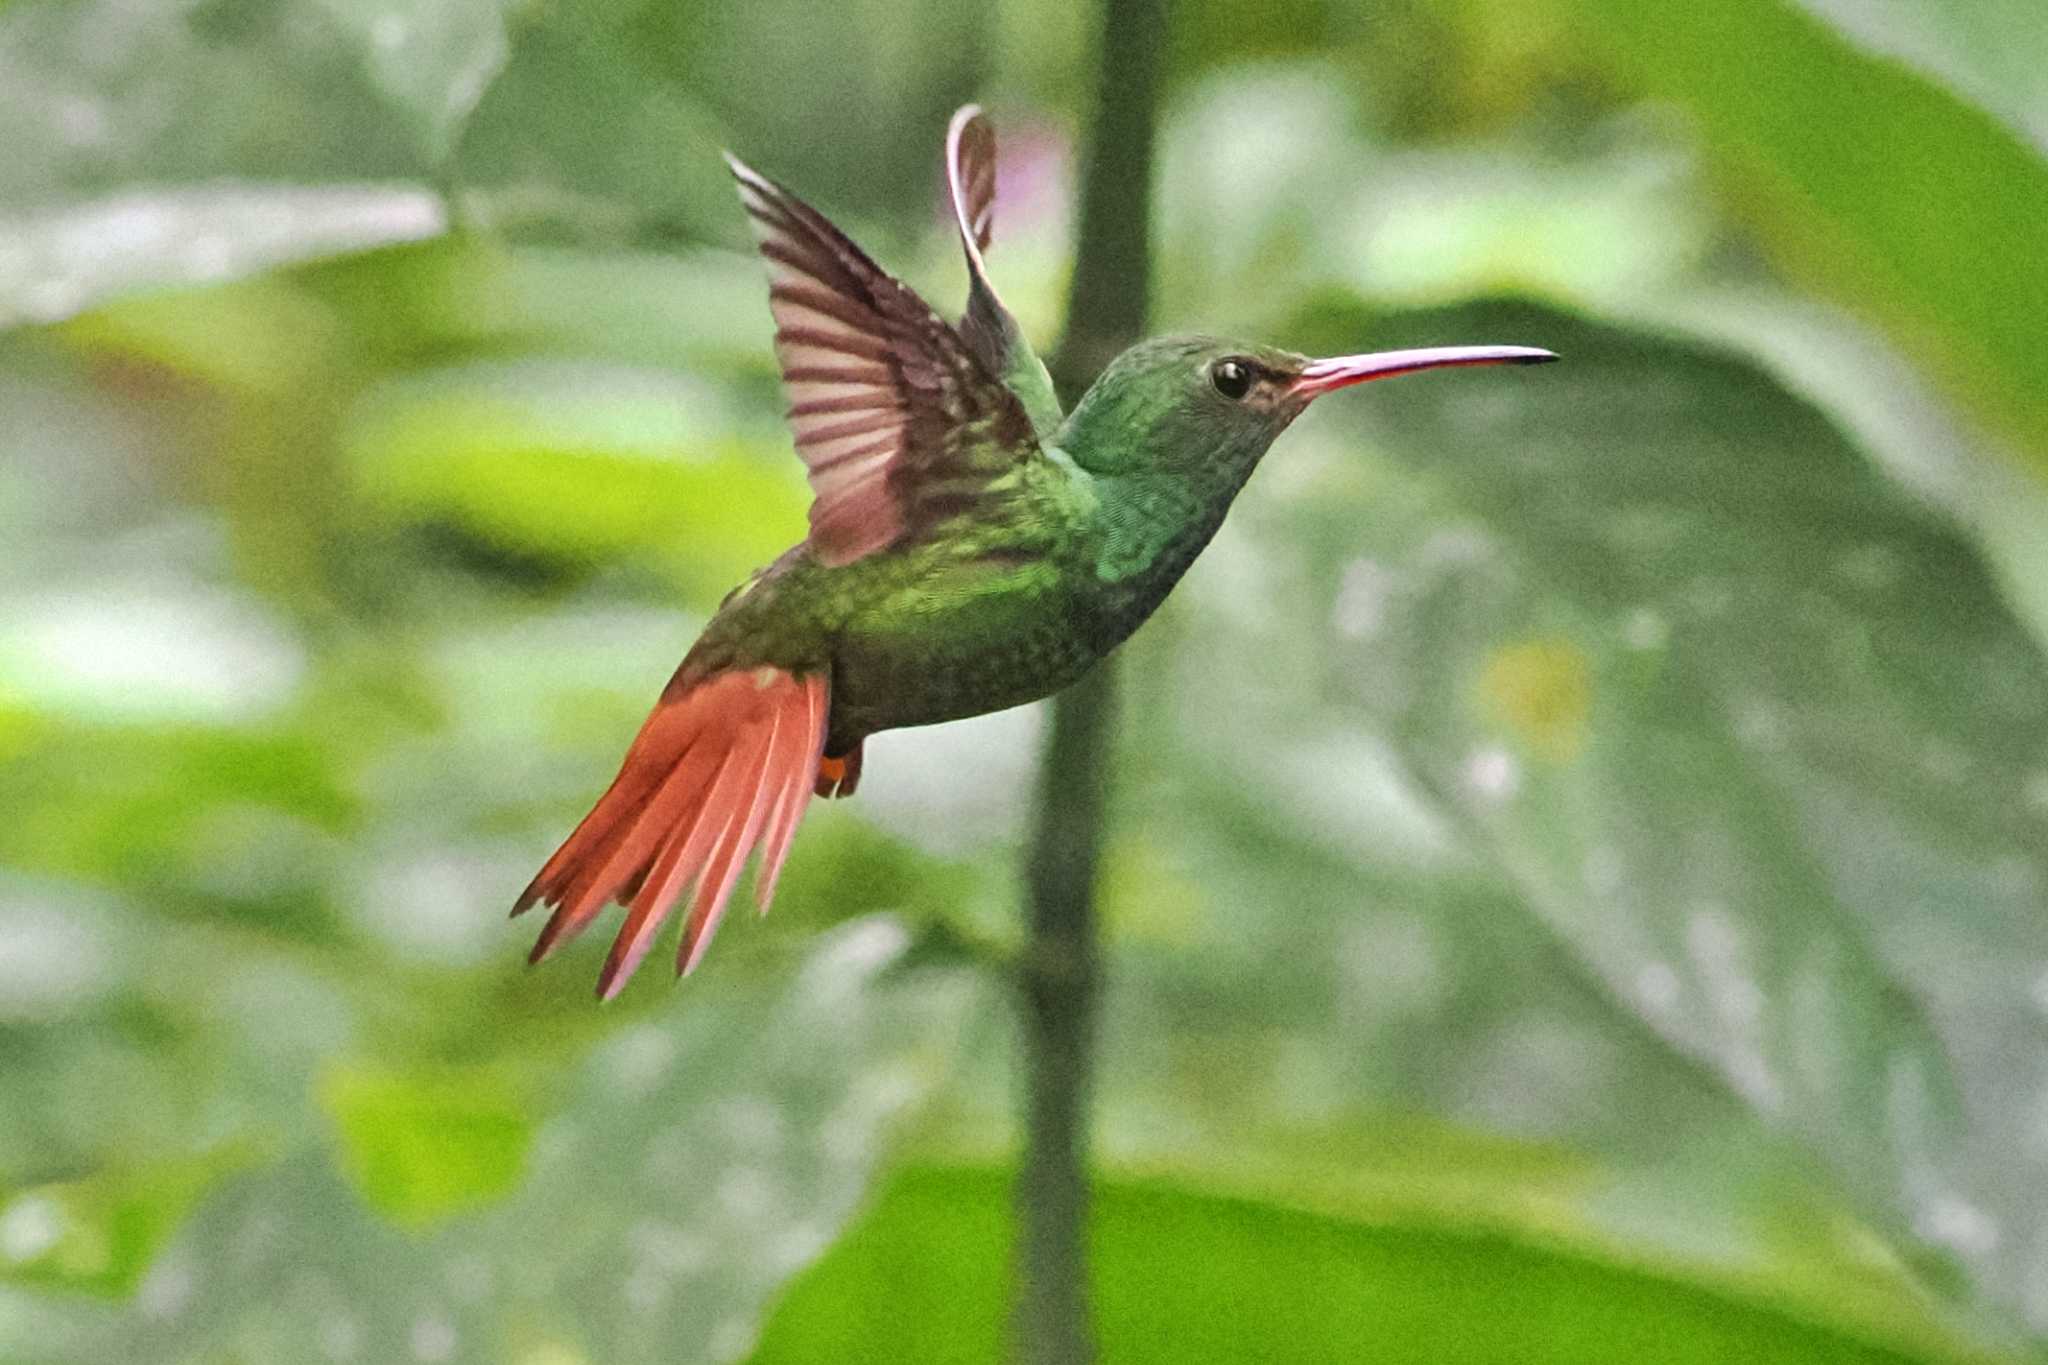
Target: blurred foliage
x,y
1610,921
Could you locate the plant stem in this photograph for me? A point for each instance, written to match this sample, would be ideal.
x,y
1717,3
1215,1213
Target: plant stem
x,y
1060,972
1059,979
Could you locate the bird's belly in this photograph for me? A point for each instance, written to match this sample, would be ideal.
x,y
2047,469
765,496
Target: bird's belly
x,y
950,658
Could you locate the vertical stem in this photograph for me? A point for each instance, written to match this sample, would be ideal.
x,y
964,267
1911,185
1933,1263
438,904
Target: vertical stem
x,y
1059,975
1112,283
1059,981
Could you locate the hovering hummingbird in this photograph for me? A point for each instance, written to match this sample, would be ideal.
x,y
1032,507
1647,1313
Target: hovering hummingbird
x,y
970,548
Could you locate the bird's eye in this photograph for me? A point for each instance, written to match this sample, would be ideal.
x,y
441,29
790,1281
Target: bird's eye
x,y
1232,378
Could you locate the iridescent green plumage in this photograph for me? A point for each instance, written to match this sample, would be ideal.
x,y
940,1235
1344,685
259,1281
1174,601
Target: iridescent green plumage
x,y
970,549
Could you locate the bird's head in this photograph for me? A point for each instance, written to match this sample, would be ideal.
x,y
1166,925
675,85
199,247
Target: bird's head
x,y
1207,408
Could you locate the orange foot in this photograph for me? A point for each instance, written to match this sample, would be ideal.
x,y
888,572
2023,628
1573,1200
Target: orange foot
x,y
839,775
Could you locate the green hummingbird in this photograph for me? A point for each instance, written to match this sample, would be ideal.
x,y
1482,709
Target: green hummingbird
x,y
970,548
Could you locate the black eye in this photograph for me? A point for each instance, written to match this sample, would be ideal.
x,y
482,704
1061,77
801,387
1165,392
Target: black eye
x,y
1232,378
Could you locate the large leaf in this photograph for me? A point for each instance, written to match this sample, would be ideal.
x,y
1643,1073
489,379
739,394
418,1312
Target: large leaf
x,y
99,1233
434,59
187,143
169,144
103,97
1747,731
1185,1275
578,463
1990,51
1866,183
62,261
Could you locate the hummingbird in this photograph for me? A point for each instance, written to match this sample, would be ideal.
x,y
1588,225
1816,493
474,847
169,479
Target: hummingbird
x,y
970,548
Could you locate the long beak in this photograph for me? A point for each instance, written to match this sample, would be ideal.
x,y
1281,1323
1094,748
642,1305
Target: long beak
x,y
1334,373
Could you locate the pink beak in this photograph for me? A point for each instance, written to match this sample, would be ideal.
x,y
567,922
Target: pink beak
x,y
1334,373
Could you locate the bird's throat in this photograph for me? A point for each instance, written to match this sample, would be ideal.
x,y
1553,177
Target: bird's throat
x,y
1150,521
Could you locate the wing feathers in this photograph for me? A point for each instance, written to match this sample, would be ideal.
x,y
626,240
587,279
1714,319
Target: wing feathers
x,y
798,297
986,328
861,376
822,293
881,390
807,339
857,401
971,176
826,434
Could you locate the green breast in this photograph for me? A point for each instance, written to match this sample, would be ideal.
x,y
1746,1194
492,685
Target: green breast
x,y
957,637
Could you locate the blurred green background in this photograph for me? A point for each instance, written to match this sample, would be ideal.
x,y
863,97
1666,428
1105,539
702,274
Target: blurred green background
x,y
1576,885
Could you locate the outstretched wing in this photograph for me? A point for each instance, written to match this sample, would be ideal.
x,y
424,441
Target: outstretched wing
x,y
900,425
987,326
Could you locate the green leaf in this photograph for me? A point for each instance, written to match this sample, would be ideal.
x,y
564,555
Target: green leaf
x,y
178,152
99,1234
62,261
425,1145
433,58
179,815
1185,1275
1989,51
579,463
640,159
102,97
1745,730
1861,179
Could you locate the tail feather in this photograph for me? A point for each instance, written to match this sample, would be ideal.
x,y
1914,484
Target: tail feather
x,y
742,830
667,731
690,844
806,744
616,861
720,769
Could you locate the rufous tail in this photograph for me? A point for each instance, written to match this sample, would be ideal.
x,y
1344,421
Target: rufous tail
x,y
721,768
